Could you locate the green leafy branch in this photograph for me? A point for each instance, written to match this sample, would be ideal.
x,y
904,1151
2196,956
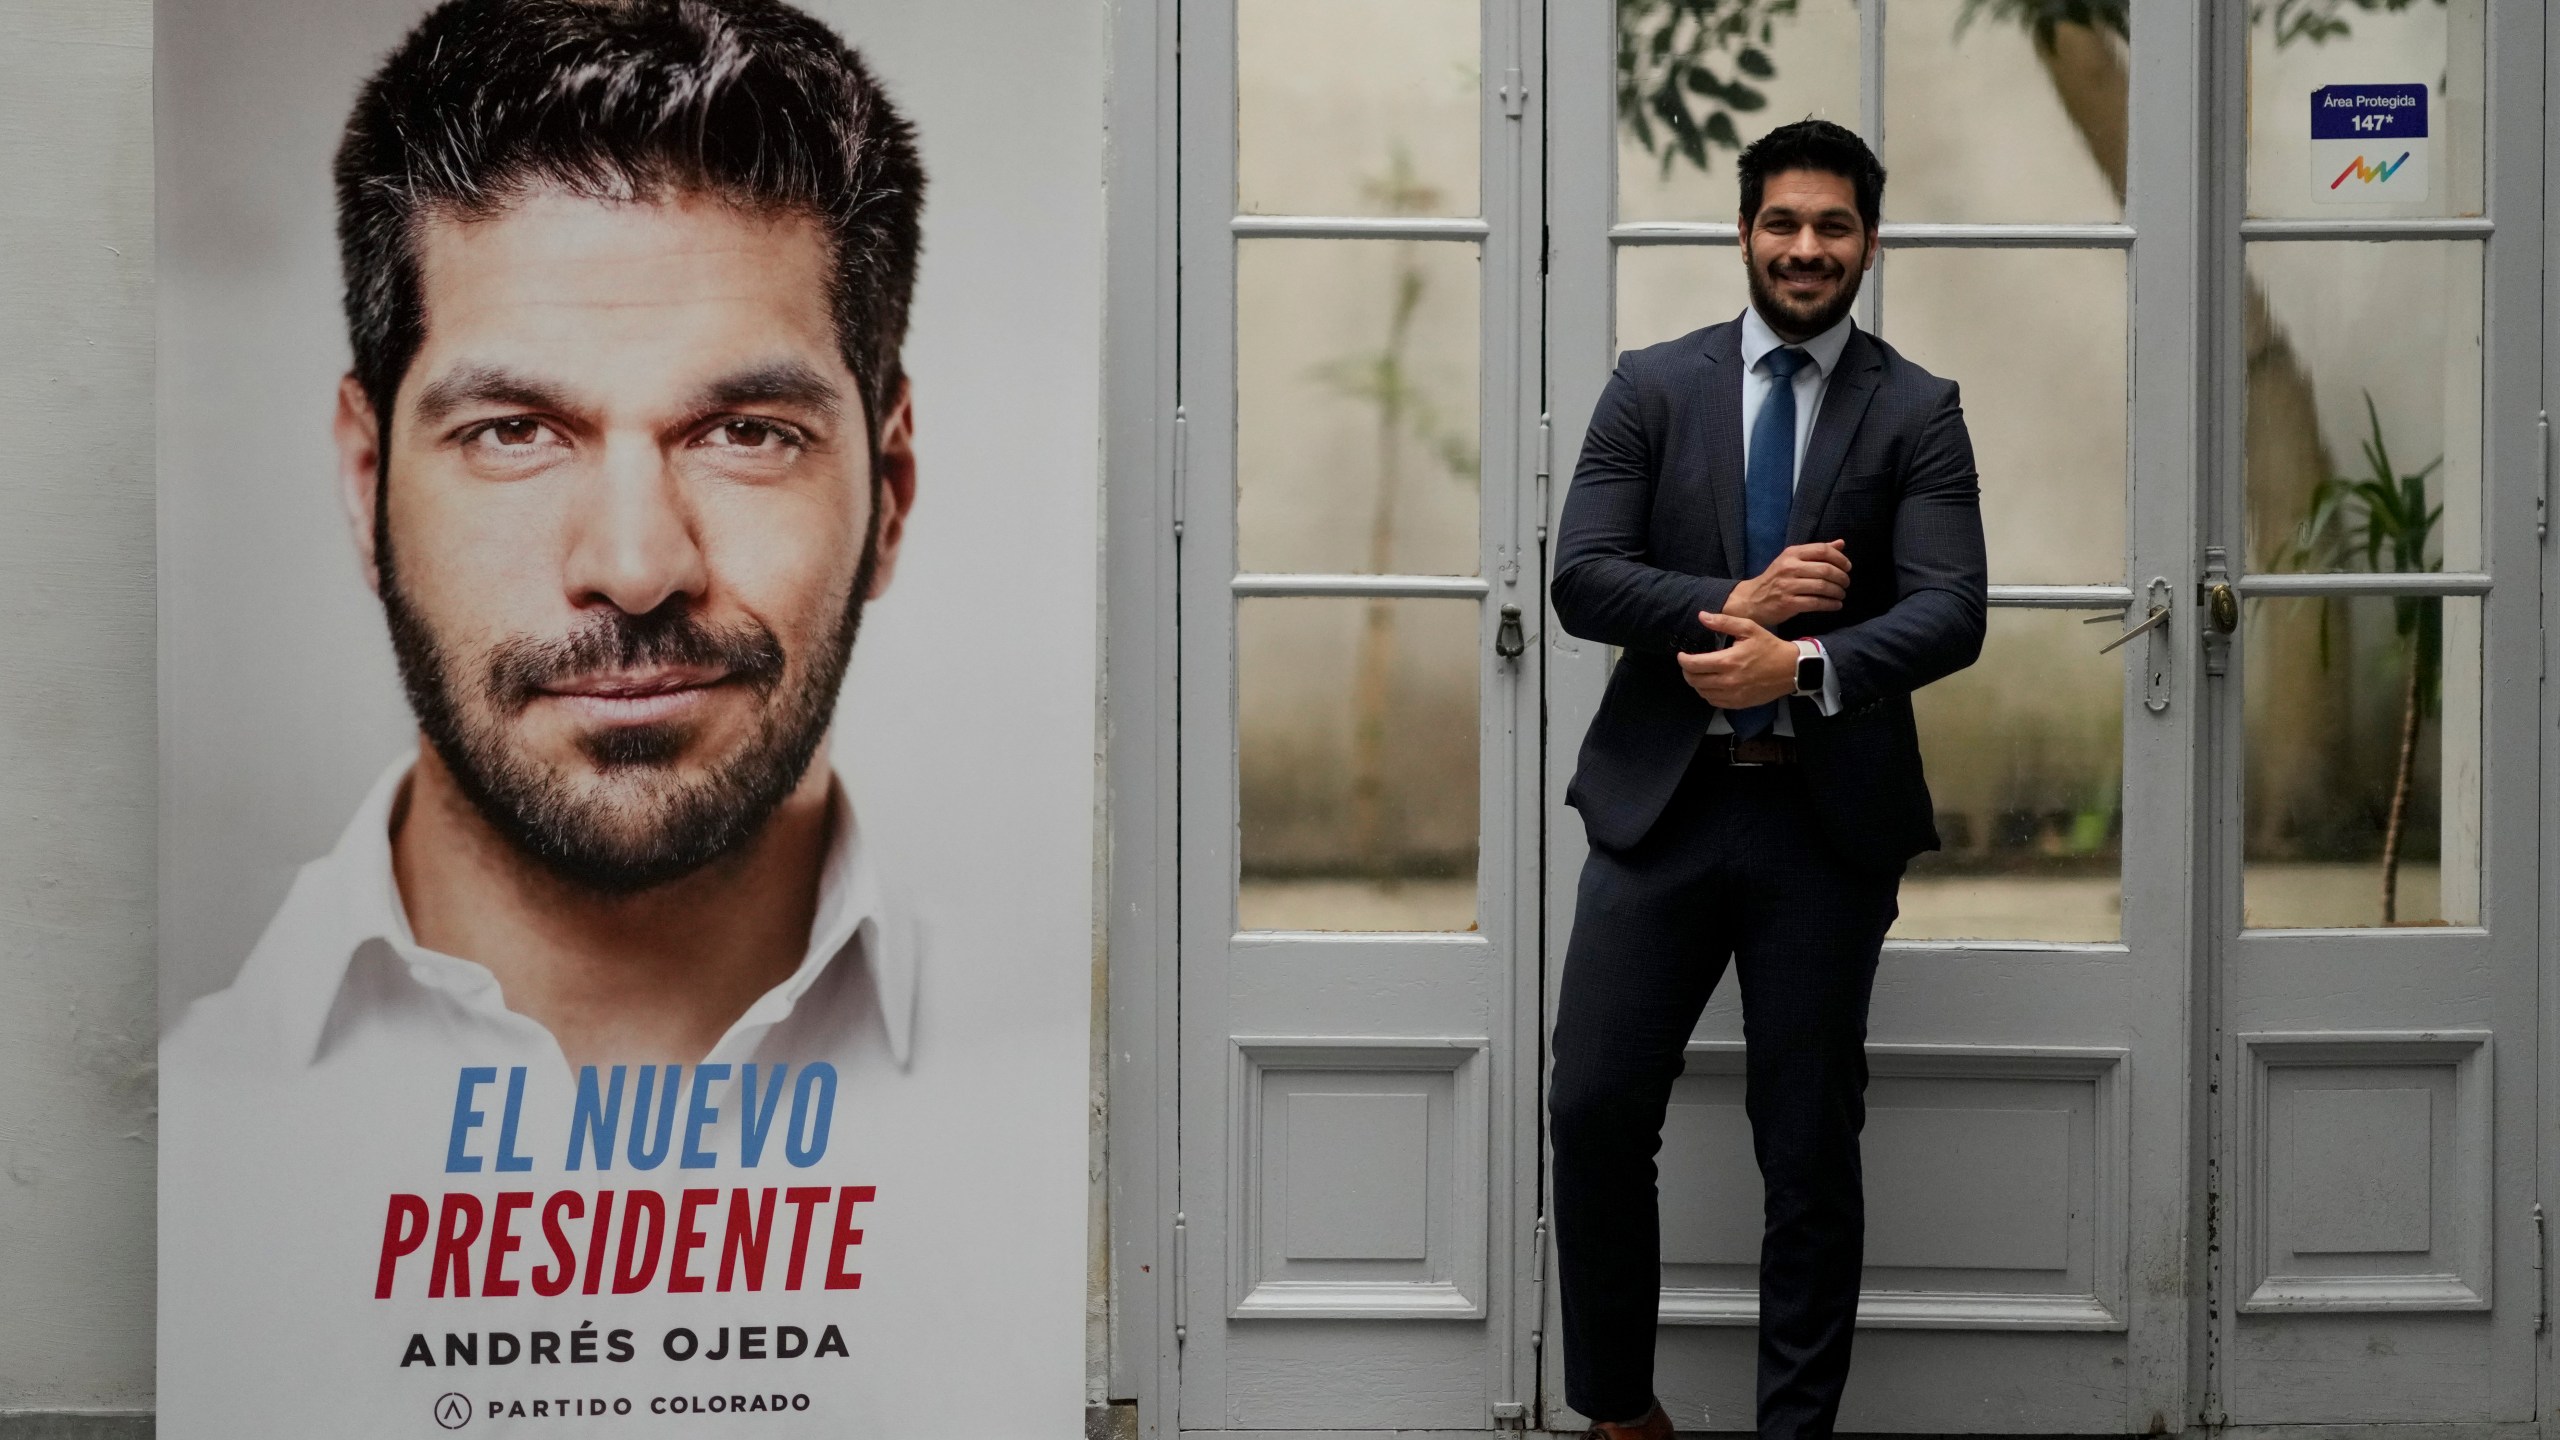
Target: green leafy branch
x,y
2039,17
2317,20
1685,69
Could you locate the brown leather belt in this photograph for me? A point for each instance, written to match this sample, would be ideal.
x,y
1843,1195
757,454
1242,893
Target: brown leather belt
x,y
1758,750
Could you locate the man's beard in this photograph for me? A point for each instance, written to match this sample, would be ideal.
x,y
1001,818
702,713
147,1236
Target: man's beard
x,y
618,842
1774,306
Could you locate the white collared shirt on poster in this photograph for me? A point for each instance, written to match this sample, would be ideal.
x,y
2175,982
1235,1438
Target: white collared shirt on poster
x,y
339,972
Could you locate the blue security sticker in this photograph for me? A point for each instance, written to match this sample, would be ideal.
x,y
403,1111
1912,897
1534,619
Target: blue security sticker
x,y
2369,144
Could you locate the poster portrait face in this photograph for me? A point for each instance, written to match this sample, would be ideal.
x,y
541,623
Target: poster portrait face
x,y
625,523
609,278
639,992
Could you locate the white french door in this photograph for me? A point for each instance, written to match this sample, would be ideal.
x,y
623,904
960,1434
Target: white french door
x,y
1359,727
2375,931
2207,1054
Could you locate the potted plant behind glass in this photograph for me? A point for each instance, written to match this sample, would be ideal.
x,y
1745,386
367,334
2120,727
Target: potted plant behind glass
x,y
2370,519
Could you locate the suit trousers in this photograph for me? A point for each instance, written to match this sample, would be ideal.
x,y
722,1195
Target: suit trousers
x,y
1737,870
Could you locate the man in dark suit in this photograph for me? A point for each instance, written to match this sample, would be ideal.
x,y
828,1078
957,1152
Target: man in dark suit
x,y
1751,784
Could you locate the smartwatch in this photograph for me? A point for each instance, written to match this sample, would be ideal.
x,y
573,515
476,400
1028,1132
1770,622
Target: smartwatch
x,y
1811,668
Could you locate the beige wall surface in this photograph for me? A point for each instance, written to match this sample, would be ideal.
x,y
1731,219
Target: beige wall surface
x,y
76,705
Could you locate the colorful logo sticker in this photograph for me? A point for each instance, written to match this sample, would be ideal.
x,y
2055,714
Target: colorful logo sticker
x,y
2368,144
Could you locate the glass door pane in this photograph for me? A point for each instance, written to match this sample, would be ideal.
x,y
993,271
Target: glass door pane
x,y
2029,784
1357,107
2364,762
2368,371
1356,386
1356,763
1988,120
2367,110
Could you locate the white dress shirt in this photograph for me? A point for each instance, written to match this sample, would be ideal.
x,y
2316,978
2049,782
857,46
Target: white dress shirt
x,y
1810,382
329,1082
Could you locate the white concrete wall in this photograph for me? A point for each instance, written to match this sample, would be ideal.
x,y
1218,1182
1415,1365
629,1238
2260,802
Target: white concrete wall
x,y
76,787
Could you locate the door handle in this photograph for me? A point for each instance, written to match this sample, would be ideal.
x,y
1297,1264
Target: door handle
x,y
1510,641
2155,665
2159,616
2221,602
2222,606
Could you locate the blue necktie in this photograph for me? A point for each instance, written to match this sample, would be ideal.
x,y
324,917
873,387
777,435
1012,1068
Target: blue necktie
x,y
1769,491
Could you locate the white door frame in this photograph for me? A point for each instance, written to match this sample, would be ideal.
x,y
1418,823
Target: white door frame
x,y
2547,1159
1138,1140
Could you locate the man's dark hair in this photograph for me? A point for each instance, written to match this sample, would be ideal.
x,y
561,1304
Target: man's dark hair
x,y
1813,145
750,101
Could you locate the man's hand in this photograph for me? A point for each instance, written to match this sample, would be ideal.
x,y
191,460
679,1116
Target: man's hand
x,y
1755,669
1802,579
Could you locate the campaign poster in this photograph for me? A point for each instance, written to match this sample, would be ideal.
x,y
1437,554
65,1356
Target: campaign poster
x,y
628,548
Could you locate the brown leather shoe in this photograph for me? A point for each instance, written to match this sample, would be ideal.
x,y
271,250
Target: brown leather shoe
x,y
1654,1426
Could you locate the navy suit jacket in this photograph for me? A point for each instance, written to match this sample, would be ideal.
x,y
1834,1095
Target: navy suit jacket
x,y
1652,534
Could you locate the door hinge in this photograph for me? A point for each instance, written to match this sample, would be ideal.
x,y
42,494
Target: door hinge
x,y
1514,1414
1546,473
2542,497
1181,466
2541,1278
1181,1280
1538,1283
1514,93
